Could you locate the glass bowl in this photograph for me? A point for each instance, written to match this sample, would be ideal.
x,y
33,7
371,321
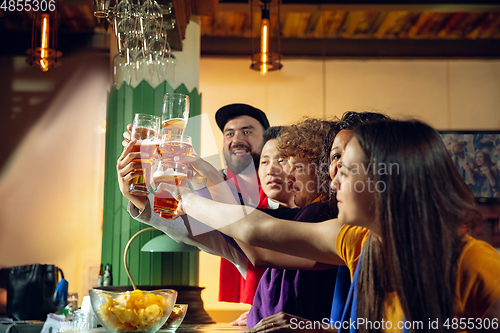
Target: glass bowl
x,y
175,319
133,311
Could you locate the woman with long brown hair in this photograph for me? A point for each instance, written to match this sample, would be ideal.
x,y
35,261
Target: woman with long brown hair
x,y
417,250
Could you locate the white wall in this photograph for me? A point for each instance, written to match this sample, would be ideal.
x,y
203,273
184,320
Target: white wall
x,y
448,94
51,191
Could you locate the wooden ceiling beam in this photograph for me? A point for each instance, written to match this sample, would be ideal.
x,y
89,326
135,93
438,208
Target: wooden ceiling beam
x,y
358,48
312,6
182,12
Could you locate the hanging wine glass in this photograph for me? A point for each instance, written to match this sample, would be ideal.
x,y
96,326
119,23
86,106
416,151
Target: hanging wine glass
x,y
144,52
151,10
153,13
119,33
172,68
119,63
150,64
162,52
127,25
128,67
164,36
157,47
164,64
125,29
139,68
135,75
123,9
157,11
153,28
133,43
122,68
146,16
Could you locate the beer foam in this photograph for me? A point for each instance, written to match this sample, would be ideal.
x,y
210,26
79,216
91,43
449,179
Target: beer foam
x,y
169,172
148,142
174,121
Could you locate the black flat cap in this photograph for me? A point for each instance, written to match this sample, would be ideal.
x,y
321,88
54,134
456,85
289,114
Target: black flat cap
x,y
228,112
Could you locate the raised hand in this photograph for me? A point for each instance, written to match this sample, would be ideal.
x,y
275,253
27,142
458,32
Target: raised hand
x,y
176,192
204,173
125,167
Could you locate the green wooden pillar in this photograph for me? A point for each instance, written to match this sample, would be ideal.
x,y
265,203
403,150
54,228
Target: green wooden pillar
x,y
146,268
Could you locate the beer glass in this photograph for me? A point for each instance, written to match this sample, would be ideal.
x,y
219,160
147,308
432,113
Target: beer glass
x,y
145,129
174,145
167,216
171,173
175,113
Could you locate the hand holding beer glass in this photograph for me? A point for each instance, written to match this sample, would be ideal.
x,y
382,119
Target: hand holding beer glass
x,y
170,172
145,129
175,145
174,120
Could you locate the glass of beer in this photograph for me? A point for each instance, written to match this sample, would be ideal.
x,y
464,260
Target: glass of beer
x,y
145,128
174,145
171,173
175,113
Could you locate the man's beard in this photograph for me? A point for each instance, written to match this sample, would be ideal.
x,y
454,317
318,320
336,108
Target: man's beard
x,y
241,164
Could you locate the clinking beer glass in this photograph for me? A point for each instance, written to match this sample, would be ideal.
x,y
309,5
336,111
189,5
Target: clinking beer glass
x,y
174,145
145,129
175,113
171,173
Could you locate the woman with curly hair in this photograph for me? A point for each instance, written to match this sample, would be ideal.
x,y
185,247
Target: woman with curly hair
x,y
308,142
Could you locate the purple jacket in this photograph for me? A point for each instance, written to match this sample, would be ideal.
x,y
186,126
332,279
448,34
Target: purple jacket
x,y
307,294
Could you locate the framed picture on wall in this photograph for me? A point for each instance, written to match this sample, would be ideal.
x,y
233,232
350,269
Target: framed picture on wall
x,y
476,155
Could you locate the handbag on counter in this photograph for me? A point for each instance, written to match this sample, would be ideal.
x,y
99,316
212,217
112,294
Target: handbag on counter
x,y
31,292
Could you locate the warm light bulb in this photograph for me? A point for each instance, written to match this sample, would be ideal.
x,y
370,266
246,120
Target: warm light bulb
x,y
45,36
264,41
44,64
264,44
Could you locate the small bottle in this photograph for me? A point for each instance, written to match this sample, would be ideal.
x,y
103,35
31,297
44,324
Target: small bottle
x,y
107,276
100,278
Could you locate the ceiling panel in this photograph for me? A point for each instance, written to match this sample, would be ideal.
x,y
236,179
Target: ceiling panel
x,y
330,28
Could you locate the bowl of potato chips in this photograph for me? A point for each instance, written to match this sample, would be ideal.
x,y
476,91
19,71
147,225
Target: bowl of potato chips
x,y
133,311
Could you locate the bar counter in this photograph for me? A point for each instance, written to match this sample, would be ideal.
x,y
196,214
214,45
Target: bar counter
x,y
205,328
184,328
